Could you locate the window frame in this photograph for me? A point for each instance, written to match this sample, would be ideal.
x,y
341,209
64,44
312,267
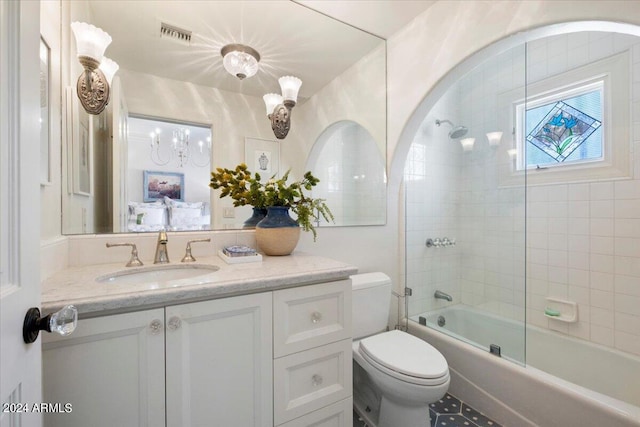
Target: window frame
x,y
577,89
615,73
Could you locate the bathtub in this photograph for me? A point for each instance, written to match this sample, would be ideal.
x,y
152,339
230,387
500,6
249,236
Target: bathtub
x,y
566,381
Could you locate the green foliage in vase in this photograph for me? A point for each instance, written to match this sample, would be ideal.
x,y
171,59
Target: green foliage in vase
x,y
245,188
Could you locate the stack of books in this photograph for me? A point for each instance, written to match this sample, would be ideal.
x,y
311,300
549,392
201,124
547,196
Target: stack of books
x,y
238,250
239,254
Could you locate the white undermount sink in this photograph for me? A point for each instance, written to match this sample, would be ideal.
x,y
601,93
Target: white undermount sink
x,y
158,273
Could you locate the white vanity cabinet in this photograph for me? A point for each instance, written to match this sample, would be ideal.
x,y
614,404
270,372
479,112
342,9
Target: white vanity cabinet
x,y
219,361
312,349
278,358
111,370
210,361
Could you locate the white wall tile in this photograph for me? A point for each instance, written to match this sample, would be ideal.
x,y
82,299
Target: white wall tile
x,y
627,304
602,317
601,335
627,189
628,285
601,208
627,208
601,281
602,263
601,190
629,247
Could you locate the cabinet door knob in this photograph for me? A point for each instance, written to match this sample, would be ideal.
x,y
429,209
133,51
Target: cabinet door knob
x,y
155,327
63,322
174,323
316,317
316,380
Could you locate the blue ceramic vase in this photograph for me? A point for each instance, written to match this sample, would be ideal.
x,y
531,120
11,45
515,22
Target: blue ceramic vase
x,y
277,234
258,215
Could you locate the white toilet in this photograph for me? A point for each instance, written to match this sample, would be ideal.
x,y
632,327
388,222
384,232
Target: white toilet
x,y
395,375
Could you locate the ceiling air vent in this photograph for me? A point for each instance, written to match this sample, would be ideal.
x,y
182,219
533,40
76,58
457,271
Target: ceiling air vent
x,y
175,33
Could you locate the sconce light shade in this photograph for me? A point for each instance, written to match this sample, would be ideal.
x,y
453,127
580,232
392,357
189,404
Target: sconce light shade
x,y
512,152
93,84
494,138
467,143
290,86
91,41
279,106
109,68
271,101
240,60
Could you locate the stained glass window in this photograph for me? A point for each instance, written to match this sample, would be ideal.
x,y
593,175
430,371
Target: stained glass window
x,y
565,131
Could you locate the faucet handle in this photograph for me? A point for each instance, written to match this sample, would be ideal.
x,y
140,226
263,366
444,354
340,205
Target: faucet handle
x,y
134,261
187,256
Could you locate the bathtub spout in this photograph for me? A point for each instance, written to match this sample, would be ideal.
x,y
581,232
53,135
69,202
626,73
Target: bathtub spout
x,y
442,295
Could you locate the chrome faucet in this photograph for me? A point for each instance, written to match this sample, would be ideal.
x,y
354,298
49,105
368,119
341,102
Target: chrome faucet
x,y
442,295
162,255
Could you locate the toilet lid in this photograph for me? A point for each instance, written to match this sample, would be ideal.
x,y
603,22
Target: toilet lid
x,y
405,354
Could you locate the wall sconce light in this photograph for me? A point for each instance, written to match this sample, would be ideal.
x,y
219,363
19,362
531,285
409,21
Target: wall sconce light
x,y
93,84
240,60
494,138
467,143
512,152
279,106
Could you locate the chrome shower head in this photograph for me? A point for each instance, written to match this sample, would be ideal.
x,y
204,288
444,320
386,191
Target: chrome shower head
x,y
456,132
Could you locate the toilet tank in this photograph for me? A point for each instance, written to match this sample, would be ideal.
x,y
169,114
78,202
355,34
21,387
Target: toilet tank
x,y
370,303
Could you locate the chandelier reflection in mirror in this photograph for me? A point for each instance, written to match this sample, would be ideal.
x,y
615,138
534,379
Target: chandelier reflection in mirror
x,y
180,149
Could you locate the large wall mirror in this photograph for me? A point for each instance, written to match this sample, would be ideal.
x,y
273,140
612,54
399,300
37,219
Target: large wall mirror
x,y
176,78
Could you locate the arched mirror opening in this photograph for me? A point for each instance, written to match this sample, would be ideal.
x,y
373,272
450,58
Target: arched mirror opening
x,y
351,169
170,58
519,190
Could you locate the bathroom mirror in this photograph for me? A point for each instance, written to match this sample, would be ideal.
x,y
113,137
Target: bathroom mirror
x,y
177,76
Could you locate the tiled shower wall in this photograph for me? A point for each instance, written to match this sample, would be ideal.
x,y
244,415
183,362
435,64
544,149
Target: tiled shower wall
x,y
582,239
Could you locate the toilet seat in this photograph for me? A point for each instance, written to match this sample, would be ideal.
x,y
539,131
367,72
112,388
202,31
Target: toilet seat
x,y
405,357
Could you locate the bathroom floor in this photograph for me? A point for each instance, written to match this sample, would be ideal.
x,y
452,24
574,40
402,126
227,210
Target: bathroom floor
x,y
449,412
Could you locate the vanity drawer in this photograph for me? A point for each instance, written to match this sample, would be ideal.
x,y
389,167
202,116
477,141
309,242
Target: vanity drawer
x,y
310,380
311,316
337,415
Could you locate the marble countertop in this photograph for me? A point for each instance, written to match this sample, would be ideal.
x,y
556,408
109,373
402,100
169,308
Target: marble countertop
x,y
78,285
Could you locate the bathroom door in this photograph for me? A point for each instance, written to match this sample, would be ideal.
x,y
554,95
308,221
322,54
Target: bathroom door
x,y
20,363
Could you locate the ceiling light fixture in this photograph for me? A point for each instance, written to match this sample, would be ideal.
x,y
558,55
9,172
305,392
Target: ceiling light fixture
x,y
279,106
93,84
240,60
